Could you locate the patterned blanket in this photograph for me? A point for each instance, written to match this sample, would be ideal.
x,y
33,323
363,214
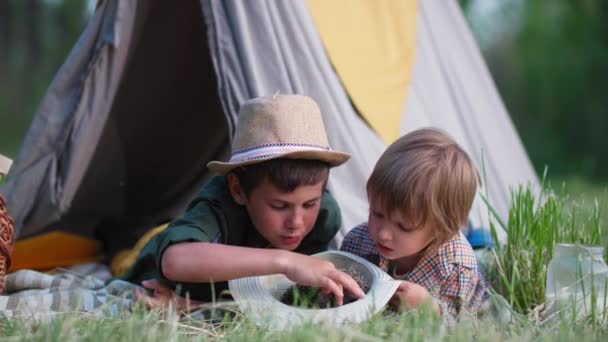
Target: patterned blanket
x,y
81,288
85,288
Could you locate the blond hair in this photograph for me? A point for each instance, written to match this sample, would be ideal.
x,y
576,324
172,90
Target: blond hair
x,y
426,175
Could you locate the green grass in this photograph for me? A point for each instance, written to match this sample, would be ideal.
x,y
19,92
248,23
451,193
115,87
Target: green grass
x,y
413,326
517,271
519,267
583,194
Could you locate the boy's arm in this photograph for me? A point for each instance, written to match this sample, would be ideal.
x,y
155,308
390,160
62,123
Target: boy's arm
x,y
463,291
209,262
204,262
411,296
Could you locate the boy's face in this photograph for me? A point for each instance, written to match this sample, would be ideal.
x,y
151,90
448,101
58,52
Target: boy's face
x,y
395,235
282,218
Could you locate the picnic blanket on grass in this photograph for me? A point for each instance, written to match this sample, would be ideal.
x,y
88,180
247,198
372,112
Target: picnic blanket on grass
x,y
83,288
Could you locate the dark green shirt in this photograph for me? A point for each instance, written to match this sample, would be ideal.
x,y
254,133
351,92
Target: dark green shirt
x,y
214,216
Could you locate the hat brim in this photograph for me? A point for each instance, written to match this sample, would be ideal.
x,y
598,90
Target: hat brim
x,y
333,158
254,296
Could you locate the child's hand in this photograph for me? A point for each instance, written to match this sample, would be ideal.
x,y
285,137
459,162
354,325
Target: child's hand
x,y
162,297
411,295
310,271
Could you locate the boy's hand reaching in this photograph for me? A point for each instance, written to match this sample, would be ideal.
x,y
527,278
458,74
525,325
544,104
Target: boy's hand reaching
x,y
411,295
310,271
162,297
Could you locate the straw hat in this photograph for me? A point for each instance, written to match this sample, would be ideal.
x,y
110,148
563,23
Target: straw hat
x,y
281,126
262,297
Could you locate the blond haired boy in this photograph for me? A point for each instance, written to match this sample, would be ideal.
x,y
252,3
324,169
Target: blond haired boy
x,y
420,193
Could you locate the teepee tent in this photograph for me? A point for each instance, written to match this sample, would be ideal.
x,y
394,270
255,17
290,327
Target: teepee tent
x,y
151,91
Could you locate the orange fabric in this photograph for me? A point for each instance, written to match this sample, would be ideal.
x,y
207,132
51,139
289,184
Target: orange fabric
x,y
54,249
371,45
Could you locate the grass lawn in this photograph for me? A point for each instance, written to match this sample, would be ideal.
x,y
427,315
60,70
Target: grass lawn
x,y
412,326
517,270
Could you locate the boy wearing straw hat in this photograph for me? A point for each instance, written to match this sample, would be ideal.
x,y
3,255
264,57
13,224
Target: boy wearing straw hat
x,y
262,215
420,193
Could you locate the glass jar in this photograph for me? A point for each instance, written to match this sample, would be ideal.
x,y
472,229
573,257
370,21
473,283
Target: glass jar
x,y
576,278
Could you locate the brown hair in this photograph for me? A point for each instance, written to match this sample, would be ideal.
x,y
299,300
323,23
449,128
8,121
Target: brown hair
x,y
284,173
426,175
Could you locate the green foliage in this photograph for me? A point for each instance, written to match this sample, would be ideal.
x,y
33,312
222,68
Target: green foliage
x,y
551,71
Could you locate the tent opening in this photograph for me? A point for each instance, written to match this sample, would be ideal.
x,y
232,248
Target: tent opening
x,y
165,124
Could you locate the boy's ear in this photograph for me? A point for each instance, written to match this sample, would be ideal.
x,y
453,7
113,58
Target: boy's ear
x,y
236,190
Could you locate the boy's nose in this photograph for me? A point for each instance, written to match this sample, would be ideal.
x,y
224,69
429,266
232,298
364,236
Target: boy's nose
x,y
384,233
297,219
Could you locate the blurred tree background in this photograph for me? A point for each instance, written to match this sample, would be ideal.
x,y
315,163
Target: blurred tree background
x,y
549,60
35,38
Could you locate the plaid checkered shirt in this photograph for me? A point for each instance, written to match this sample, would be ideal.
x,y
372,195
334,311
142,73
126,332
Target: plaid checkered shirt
x,y
450,274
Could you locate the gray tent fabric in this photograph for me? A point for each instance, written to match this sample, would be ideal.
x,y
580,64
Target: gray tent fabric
x,y
121,140
273,46
36,190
